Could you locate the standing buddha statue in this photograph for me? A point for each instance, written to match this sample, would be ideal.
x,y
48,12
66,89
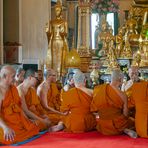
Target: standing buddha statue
x,y
57,42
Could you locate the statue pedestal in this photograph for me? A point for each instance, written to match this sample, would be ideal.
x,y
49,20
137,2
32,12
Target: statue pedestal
x,y
85,57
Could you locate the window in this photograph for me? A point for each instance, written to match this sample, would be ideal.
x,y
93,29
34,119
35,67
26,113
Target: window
x,y
95,22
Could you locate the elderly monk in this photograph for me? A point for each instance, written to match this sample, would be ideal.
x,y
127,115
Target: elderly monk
x,y
111,105
29,100
14,125
127,88
19,76
50,96
140,98
77,102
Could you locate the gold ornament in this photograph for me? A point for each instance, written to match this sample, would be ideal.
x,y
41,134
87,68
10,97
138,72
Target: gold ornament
x,y
73,59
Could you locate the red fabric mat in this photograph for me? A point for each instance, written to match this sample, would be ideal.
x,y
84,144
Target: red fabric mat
x,y
85,140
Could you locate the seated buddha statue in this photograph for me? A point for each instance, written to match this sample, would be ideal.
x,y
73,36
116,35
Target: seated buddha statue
x,y
131,33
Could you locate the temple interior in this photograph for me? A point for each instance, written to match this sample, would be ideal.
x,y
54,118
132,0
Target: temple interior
x,y
87,51
23,38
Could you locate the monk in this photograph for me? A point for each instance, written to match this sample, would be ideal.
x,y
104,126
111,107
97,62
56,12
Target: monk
x,y
77,102
19,76
29,99
50,96
39,77
69,82
127,87
140,99
111,105
14,125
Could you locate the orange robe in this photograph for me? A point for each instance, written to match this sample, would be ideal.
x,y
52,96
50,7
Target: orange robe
x,y
14,117
54,101
79,119
140,96
35,106
131,105
109,107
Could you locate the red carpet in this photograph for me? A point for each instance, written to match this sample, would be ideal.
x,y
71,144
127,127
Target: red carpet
x,y
85,140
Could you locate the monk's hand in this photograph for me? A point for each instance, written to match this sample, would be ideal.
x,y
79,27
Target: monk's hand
x,y
65,113
34,122
47,121
9,134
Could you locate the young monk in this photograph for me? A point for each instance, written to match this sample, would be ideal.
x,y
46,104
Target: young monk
x,y
111,105
50,96
28,100
14,125
19,76
127,86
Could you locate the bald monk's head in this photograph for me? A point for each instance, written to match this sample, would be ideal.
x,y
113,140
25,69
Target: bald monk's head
x,y
79,79
7,74
134,73
31,77
19,76
50,75
117,77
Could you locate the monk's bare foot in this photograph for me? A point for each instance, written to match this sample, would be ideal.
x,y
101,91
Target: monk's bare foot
x,y
131,133
56,128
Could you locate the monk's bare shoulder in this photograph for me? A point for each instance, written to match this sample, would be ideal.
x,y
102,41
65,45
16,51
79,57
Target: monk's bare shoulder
x,y
42,88
89,91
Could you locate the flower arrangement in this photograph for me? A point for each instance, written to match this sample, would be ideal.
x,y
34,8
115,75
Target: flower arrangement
x,y
105,6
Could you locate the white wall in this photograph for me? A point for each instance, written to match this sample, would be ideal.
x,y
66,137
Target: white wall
x,y
1,31
35,14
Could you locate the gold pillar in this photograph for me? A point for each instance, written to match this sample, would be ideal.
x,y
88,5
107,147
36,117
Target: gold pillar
x,y
84,33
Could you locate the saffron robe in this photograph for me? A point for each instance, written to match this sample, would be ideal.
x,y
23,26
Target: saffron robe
x,y
127,88
34,105
13,116
54,101
140,97
110,109
79,119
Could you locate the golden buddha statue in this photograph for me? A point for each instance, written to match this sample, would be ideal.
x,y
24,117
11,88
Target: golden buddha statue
x,y
57,47
119,41
102,38
127,51
131,33
112,55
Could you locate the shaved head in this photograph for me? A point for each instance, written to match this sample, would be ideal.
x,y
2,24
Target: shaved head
x,y
116,75
133,68
49,72
134,73
79,78
6,70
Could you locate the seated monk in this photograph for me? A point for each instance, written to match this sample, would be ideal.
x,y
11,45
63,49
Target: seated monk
x,y
50,96
77,102
27,100
127,88
111,105
140,98
40,77
19,76
14,125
